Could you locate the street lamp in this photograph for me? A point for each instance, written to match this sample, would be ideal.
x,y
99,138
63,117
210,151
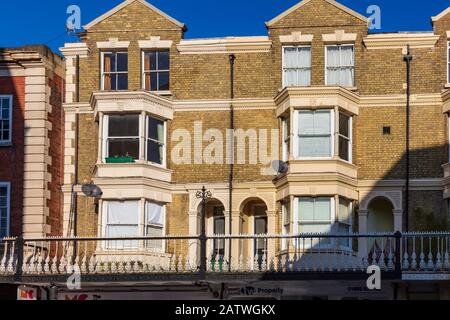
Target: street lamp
x,y
204,195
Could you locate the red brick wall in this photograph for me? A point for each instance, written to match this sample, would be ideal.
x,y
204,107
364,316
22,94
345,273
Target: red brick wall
x,y
56,152
11,158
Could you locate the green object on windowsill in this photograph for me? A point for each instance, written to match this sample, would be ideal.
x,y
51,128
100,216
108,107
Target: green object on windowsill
x,y
120,160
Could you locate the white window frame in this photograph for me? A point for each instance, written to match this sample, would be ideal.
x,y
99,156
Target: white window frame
x,y
297,135
164,162
9,141
448,62
283,67
350,246
102,67
163,246
334,220
115,247
8,206
214,218
286,136
143,122
307,222
448,135
142,222
354,63
143,71
106,136
286,211
350,141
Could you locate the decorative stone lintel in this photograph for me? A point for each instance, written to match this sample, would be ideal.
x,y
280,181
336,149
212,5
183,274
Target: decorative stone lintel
x,y
296,38
113,43
155,43
340,36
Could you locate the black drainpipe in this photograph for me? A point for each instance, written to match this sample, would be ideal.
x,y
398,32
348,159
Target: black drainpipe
x,y
408,58
231,178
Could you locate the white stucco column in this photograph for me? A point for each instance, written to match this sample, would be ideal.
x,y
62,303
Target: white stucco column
x,y
142,130
235,244
398,220
271,229
194,245
362,242
336,133
142,221
100,138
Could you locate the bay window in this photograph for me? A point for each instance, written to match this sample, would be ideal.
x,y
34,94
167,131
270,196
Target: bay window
x,y
315,133
4,209
340,65
322,215
114,70
296,66
5,120
126,219
316,136
139,137
156,70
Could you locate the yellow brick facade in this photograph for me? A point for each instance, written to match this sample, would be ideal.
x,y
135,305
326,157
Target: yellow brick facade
x,y
202,82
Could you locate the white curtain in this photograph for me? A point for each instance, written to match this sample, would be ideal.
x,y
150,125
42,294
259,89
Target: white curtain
x,y
155,224
314,214
314,133
155,214
122,221
344,221
344,211
333,63
322,209
340,66
306,209
297,66
347,70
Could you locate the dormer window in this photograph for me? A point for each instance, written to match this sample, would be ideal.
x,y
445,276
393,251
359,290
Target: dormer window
x,y
340,65
156,70
114,70
296,66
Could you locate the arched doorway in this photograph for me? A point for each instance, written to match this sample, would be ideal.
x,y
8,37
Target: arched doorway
x,y
254,222
380,216
380,219
216,224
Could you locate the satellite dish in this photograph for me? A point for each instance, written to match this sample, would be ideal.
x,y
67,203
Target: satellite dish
x,y
280,166
92,190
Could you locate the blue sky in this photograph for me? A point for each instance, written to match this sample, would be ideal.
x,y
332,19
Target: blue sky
x,y
43,21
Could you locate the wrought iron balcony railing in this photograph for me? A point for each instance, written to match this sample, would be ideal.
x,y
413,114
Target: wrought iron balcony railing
x,y
257,254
